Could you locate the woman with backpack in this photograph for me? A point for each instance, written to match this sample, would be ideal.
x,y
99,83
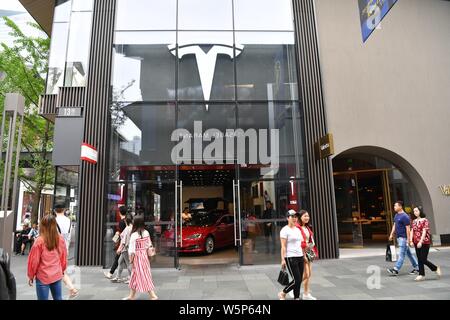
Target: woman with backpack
x,y
47,261
139,252
310,250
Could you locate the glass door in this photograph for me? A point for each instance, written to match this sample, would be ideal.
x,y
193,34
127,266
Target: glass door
x,y
347,210
207,224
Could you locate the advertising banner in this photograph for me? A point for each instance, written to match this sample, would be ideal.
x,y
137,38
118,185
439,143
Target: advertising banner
x,y
371,13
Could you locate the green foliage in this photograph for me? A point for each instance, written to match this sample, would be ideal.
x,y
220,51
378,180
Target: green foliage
x,y
23,67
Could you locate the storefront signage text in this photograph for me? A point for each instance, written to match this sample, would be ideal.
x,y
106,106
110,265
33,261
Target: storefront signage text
x,y
445,190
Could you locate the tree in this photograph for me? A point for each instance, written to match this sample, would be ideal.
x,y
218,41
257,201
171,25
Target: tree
x,y
24,66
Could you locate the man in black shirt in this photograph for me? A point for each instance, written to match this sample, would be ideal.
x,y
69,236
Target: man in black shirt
x,y
269,227
120,227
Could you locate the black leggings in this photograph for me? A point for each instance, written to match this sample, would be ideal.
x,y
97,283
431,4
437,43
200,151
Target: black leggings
x,y
422,256
115,263
295,266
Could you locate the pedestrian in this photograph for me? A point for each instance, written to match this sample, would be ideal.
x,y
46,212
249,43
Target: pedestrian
x,y
120,227
421,240
141,275
34,233
252,230
402,228
308,244
124,261
63,225
292,255
25,239
269,227
47,261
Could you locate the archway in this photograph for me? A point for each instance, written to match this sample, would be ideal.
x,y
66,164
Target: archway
x,y
367,181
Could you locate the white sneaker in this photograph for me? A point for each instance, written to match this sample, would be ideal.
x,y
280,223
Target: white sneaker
x,y
308,297
419,278
439,272
107,274
282,295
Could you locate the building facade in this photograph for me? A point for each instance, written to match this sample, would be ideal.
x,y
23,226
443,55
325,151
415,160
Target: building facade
x,y
217,108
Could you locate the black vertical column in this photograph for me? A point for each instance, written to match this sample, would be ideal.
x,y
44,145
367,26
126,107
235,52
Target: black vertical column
x,y
93,188
320,173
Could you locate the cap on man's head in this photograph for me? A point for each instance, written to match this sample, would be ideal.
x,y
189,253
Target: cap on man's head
x,y
59,206
291,213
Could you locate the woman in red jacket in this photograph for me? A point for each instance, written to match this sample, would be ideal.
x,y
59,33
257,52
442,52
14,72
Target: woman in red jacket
x,y
310,249
47,261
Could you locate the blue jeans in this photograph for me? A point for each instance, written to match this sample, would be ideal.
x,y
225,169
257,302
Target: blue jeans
x,y
43,289
404,250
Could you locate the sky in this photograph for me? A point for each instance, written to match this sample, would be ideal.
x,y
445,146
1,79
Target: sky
x,y
20,19
11,5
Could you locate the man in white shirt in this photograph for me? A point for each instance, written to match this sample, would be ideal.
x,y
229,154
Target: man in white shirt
x,y
63,224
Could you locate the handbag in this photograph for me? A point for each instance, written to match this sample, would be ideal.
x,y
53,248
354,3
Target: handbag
x,y
283,277
310,254
151,251
116,238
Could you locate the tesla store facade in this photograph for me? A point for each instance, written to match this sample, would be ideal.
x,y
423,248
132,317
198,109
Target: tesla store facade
x,y
215,107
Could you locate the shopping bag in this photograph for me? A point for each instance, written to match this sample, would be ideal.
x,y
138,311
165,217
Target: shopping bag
x,y
393,253
388,253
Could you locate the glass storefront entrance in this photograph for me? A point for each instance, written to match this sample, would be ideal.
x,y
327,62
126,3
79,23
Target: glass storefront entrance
x,y
206,130
365,193
210,209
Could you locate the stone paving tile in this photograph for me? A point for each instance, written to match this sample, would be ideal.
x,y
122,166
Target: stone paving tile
x,y
332,280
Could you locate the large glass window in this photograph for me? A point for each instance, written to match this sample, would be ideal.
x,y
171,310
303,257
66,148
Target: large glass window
x,y
58,49
205,15
144,68
223,73
206,70
146,15
70,43
78,49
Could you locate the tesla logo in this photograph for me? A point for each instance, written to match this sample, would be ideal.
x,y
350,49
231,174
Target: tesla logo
x,y
206,61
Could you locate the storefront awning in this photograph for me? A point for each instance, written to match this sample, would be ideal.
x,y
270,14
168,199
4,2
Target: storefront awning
x,y
42,12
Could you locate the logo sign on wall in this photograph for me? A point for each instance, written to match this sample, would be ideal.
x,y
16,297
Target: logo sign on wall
x,y
445,190
371,13
89,153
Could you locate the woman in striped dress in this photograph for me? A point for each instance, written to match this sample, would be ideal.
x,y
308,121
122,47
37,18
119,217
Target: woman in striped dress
x,y
141,276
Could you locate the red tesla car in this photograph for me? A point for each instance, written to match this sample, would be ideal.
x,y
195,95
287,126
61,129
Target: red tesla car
x,y
205,232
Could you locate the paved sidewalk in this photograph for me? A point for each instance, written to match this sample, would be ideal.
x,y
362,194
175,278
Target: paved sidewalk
x,y
343,279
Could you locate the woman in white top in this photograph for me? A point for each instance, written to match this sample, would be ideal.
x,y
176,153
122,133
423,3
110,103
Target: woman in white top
x,y
292,255
309,244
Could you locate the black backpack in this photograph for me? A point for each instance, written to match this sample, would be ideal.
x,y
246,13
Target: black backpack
x,y
8,281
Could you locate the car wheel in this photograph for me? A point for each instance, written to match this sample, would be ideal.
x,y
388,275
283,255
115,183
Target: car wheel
x,y
209,245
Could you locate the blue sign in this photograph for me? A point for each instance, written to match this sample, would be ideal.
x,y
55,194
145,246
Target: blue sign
x,y
371,13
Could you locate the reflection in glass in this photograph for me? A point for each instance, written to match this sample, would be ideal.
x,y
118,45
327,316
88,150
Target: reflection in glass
x,y
266,68
146,15
214,142
206,70
205,15
62,11
144,68
141,135
269,15
57,59
286,119
82,5
78,50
